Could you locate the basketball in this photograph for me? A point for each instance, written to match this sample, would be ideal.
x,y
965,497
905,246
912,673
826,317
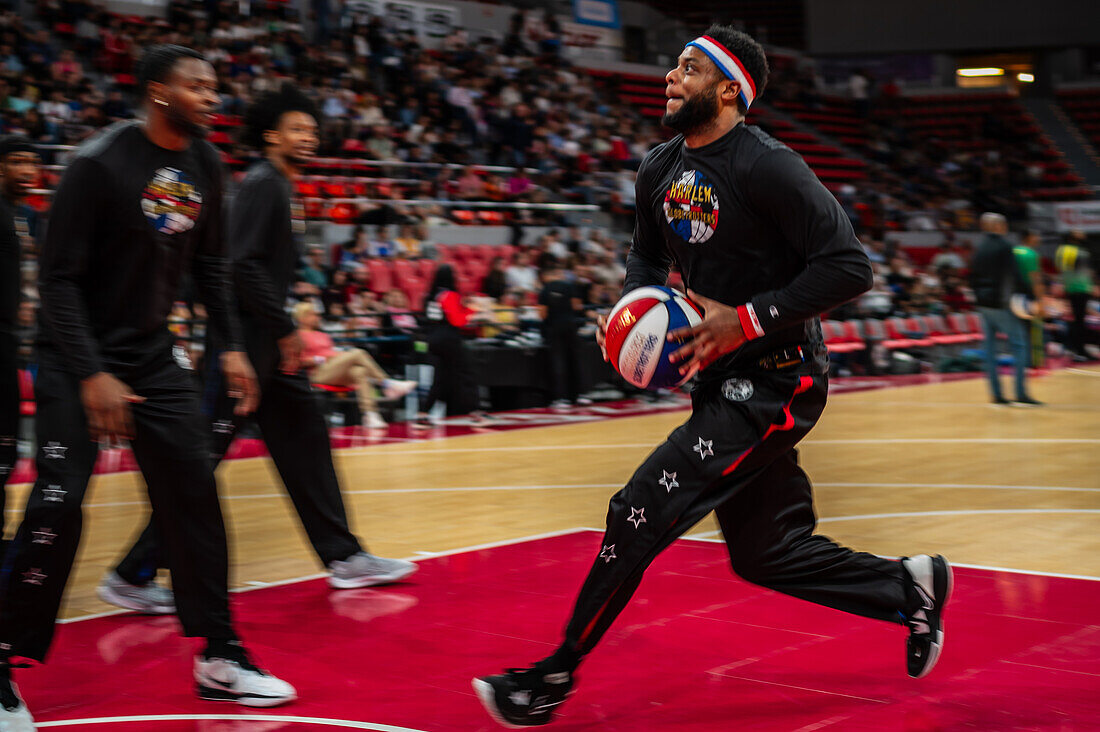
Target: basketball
x,y
636,335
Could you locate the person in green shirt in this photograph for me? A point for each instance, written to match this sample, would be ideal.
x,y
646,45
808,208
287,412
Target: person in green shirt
x,y
1072,260
1027,259
313,271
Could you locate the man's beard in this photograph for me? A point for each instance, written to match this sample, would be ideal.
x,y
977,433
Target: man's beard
x,y
298,161
185,125
694,114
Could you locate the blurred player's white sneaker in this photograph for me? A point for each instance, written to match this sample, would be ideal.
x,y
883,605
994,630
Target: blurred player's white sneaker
x,y
396,388
150,598
364,570
932,581
14,715
239,680
374,421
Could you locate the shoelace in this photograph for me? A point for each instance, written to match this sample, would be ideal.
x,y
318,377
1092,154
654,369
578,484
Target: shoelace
x,y
8,698
239,656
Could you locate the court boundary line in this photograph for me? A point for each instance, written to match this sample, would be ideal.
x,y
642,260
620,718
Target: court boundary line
x,y
707,537
320,721
572,486
251,586
1007,570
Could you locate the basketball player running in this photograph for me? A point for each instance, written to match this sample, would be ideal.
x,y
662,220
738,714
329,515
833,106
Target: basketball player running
x,y
764,248
139,204
19,166
265,227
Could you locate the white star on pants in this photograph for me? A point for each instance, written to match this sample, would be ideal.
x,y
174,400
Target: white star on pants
x,y
608,554
637,516
704,448
668,480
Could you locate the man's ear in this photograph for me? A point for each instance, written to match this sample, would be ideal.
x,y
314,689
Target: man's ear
x,y
271,137
157,90
730,90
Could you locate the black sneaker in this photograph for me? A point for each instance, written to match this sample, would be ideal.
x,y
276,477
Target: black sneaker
x,y
1001,402
1027,402
14,715
932,580
524,697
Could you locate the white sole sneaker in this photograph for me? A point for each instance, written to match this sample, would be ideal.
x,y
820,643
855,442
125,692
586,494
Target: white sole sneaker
x,y
354,583
220,679
108,595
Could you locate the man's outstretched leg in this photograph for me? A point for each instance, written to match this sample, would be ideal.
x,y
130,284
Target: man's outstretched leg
x,y
769,532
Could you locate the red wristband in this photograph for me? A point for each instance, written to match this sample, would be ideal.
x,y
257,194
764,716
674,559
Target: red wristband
x,y
750,324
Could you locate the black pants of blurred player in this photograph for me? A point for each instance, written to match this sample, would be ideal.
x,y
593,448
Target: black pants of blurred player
x,y
737,458
1078,303
9,421
564,377
294,430
453,382
171,448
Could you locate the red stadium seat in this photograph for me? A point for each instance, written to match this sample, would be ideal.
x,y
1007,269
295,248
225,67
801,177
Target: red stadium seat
x,y
381,276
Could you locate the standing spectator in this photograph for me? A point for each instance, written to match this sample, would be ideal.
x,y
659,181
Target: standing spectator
x,y
1027,259
559,308
859,89
1072,259
448,319
995,278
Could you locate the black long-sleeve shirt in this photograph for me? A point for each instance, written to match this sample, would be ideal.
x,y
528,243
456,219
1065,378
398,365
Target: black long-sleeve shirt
x,y
749,225
264,250
994,274
10,270
128,219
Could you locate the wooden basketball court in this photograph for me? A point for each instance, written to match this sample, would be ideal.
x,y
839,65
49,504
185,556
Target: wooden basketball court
x,y
928,468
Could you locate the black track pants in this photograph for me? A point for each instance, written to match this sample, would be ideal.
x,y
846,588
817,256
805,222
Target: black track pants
x,y
172,451
735,455
296,435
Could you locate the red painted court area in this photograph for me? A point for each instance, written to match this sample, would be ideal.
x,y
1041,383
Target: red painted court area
x,y
698,650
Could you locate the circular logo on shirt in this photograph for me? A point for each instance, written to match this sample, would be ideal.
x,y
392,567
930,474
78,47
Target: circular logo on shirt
x,y
691,207
737,390
170,202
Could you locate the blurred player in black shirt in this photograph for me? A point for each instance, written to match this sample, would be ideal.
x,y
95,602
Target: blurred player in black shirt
x,y
139,205
19,166
266,224
764,248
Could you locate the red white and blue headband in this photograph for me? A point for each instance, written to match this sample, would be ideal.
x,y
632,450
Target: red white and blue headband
x,y
729,65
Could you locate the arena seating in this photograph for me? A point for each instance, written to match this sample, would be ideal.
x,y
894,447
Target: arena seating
x,y
1083,107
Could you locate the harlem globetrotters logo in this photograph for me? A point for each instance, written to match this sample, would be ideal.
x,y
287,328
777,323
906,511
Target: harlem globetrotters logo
x,y
691,207
170,202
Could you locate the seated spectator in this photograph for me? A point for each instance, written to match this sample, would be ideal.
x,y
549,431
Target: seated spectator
x,y
470,186
313,271
522,276
66,70
334,319
338,290
408,243
351,367
495,281
519,185
396,304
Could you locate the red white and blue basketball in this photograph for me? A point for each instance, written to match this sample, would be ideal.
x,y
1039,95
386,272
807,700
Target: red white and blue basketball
x,y
637,331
